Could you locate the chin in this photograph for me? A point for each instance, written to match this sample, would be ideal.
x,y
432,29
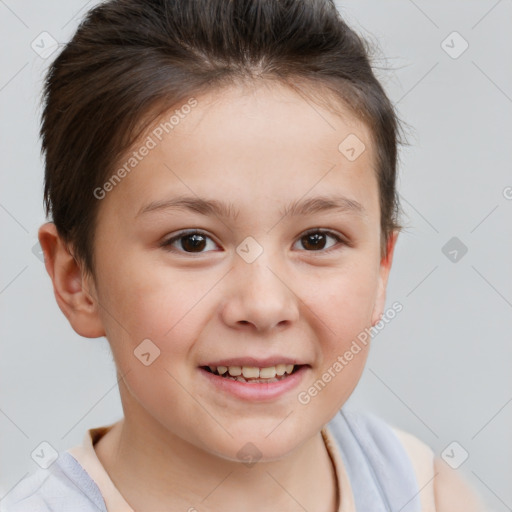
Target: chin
x,y
260,447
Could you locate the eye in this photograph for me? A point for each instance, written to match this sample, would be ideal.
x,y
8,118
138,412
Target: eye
x,y
195,241
189,241
316,239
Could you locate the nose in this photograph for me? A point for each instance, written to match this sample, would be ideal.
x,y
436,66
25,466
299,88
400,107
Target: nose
x,y
259,298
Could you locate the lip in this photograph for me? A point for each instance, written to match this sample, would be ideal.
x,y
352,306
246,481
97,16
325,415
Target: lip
x,y
254,362
256,392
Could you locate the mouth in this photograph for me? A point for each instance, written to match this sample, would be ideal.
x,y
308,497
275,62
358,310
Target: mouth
x,y
254,374
254,383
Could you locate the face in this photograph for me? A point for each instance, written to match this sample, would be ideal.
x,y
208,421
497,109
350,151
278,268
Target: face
x,y
244,283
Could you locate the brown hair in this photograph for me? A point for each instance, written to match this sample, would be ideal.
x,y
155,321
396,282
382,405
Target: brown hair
x,y
131,60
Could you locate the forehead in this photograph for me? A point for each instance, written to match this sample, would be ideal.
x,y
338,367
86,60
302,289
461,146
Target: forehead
x,y
249,144
251,114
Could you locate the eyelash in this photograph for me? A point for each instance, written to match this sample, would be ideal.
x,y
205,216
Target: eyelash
x,y
166,244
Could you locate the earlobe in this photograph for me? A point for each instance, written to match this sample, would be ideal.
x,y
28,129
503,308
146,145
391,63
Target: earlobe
x,y
384,270
78,304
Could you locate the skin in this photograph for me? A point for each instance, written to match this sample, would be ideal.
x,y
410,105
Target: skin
x,y
260,148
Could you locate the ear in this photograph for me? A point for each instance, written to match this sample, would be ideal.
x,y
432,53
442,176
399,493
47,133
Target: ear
x,y
385,267
75,295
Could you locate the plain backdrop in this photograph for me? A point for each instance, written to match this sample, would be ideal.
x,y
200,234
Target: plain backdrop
x,y
440,370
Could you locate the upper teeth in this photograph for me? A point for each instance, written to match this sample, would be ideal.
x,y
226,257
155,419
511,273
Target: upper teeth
x,y
251,372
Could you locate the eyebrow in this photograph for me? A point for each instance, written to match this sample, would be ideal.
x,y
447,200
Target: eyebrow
x,y
340,204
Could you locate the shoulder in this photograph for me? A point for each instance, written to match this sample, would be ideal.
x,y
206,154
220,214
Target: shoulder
x,y
452,492
422,460
443,489
399,454
64,486
378,465
26,496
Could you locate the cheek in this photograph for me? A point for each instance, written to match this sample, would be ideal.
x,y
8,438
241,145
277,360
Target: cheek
x,y
344,298
163,305
342,333
341,310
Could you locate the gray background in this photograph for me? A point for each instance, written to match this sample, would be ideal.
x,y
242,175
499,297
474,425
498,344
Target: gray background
x,y
440,370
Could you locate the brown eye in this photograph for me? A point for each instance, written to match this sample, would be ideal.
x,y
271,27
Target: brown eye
x,y
316,240
189,242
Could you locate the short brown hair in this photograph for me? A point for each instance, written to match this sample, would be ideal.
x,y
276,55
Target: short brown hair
x,y
131,60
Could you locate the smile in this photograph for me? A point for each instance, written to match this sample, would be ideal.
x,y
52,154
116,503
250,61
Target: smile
x,y
252,373
253,383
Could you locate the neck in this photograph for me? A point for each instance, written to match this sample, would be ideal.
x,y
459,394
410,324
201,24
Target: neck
x,y
156,470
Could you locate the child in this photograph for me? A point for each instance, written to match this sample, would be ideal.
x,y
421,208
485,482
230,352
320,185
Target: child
x,y
256,131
